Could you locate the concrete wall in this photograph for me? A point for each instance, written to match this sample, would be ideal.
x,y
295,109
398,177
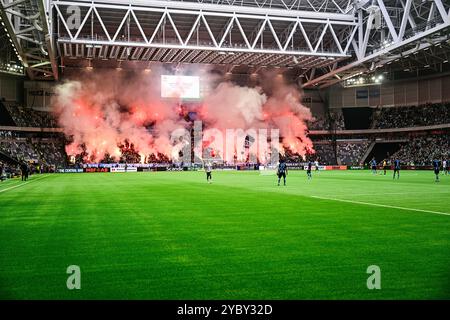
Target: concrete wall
x,y
314,101
38,94
399,93
11,87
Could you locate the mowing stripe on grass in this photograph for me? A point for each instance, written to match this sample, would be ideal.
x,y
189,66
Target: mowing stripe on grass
x,y
381,205
389,193
20,185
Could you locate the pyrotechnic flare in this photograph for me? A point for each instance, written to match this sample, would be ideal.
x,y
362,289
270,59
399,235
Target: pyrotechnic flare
x,y
103,111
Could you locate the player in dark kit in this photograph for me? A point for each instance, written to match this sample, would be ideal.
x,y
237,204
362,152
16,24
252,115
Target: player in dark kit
x,y
436,167
308,171
282,172
373,163
396,168
24,171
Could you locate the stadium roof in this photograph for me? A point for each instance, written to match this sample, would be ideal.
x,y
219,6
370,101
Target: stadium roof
x,y
324,41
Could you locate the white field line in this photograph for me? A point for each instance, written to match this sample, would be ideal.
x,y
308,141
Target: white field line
x,y
20,185
381,205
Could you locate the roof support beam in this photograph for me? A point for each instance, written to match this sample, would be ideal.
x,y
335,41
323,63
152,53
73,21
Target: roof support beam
x,y
265,24
378,54
441,10
405,19
218,8
388,20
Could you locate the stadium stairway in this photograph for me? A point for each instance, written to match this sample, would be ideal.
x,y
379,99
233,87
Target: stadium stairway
x,y
8,159
368,151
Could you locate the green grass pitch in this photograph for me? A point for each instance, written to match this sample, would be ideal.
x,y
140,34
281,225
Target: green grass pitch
x,y
170,235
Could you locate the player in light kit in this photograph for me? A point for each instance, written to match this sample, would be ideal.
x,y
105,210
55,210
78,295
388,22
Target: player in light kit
x,y
282,171
316,164
436,167
384,166
396,168
208,170
445,166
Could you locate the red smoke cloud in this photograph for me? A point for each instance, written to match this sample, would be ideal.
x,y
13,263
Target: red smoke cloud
x,y
107,108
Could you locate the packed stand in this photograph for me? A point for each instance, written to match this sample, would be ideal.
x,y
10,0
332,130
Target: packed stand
x,y
319,123
46,151
337,119
27,117
351,153
324,153
412,116
7,170
334,120
421,151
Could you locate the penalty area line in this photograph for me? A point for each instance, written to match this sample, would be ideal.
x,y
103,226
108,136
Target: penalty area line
x,y
381,205
22,184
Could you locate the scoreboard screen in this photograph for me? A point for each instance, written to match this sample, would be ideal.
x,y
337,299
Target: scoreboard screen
x,y
186,87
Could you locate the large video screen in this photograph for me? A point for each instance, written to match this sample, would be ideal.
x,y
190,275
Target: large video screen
x,y
186,87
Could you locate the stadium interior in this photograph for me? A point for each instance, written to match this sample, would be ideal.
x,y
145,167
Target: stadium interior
x,y
92,84
369,98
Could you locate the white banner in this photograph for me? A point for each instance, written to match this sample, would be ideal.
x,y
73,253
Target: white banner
x,y
122,169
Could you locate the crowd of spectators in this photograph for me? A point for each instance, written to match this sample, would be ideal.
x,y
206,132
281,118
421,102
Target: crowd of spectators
x,y
27,117
348,153
7,170
320,122
421,151
324,153
19,149
46,151
351,153
49,151
412,116
337,118
333,120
